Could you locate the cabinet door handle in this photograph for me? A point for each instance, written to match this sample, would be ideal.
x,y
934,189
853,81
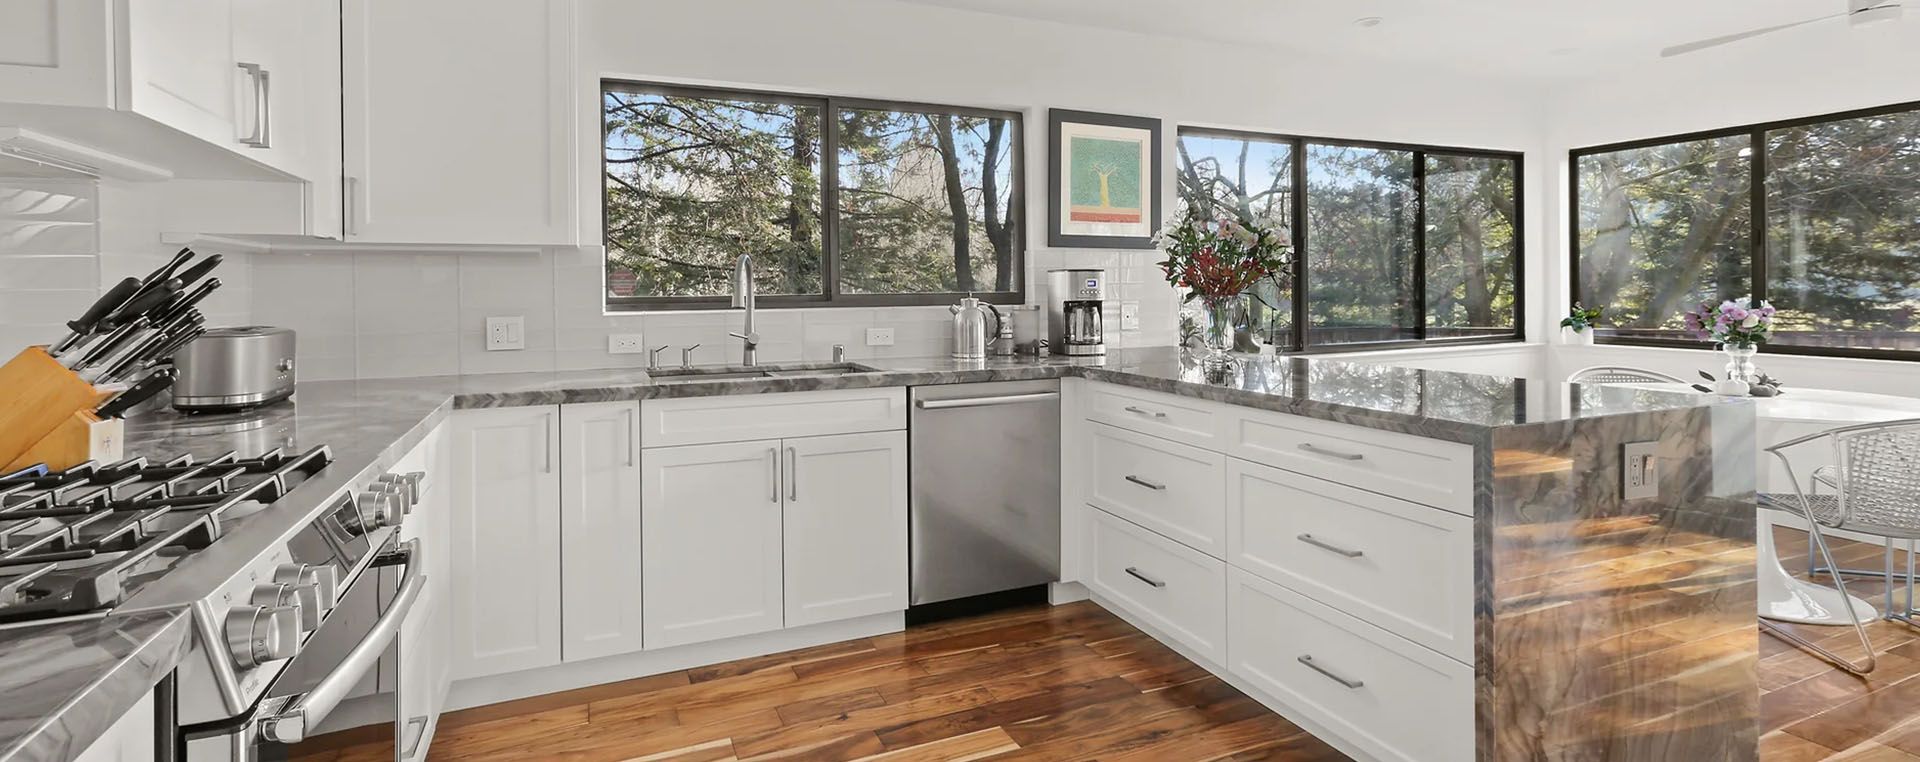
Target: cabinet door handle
x,y
773,475
1324,545
793,474
1145,412
347,215
631,445
1144,578
1330,453
254,73
1308,660
265,139
1145,483
547,430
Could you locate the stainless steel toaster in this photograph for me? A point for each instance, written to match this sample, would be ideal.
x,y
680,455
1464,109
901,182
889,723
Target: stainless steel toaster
x,y
234,369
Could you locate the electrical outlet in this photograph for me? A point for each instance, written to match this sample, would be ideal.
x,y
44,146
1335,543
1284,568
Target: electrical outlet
x,y
1129,316
1640,477
625,344
879,337
506,333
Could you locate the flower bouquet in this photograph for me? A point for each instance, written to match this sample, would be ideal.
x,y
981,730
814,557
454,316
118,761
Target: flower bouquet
x,y
1217,260
1739,327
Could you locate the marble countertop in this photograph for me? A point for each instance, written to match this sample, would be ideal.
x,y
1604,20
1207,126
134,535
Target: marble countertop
x,y
370,424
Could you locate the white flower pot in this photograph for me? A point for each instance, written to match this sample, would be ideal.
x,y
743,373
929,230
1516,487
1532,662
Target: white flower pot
x,y
1578,338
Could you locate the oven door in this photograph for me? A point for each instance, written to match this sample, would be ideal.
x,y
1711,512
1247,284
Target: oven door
x,y
340,690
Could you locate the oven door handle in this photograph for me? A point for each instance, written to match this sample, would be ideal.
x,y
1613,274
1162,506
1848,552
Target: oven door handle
x,y
291,725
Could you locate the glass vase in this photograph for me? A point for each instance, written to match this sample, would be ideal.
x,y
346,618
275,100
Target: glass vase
x,y
1740,362
1224,315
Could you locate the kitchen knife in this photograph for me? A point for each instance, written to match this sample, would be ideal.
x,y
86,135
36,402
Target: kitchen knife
x,y
187,300
166,271
108,302
149,347
199,270
143,303
141,391
99,347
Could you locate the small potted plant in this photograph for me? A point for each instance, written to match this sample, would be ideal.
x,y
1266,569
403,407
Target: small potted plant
x,y
1739,327
1217,260
1580,321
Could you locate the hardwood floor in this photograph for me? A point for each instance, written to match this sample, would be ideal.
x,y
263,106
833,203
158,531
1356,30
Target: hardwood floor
x,y
1063,683
1077,683
1810,710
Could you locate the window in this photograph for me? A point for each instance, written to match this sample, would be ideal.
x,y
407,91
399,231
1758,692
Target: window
x,y
840,202
1819,216
1401,244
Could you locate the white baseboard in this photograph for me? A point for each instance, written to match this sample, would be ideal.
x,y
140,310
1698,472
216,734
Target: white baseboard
x,y
494,689
1063,593
1279,707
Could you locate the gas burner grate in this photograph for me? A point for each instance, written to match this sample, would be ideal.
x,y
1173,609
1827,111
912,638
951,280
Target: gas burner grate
x,y
70,540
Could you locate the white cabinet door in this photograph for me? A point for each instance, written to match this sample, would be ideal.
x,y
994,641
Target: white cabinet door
x,y
459,124
600,529
846,526
710,533
506,540
296,115
181,70
56,52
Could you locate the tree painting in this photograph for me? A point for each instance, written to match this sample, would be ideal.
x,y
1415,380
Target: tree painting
x,y
1105,184
925,201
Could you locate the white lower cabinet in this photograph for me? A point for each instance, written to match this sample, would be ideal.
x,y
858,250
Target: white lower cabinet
x,y
710,517
600,554
845,538
1392,698
506,540
1176,589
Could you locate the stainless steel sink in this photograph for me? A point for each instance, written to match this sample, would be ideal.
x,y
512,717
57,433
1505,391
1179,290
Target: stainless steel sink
x,y
740,373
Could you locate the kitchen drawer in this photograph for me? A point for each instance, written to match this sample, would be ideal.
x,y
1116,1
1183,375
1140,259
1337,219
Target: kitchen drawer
x,y
1195,422
1390,697
744,417
1405,567
1426,471
1172,587
1164,486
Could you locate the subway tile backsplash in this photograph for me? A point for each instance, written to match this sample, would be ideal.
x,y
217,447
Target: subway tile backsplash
x,y
385,314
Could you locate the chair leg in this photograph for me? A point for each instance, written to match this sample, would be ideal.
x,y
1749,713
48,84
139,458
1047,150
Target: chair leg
x,y
1859,628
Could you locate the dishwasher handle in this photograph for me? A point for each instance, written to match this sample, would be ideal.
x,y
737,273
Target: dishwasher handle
x,y
1004,399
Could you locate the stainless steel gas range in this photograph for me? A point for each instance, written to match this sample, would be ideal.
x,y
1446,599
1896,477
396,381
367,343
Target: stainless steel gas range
x,y
291,607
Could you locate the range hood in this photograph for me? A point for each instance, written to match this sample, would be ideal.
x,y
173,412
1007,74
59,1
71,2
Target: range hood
x,y
36,154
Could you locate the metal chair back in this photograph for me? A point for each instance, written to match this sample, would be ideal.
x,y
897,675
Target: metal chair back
x,y
1878,473
1616,374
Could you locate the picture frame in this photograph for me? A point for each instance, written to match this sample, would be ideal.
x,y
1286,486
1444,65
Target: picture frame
x,y
1103,180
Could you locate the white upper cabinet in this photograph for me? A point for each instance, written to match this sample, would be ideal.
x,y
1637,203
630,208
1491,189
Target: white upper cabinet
x,y
219,89
459,124
600,529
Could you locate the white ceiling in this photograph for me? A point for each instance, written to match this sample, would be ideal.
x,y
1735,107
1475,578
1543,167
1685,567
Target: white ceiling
x,y
1535,39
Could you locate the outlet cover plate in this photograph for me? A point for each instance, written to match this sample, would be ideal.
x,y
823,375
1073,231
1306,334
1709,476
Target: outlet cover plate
x,y
1640,470
879,337
625,344
1129,316
506,333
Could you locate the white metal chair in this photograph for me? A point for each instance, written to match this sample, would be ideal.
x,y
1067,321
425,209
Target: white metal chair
x,y
1875,489
1616,374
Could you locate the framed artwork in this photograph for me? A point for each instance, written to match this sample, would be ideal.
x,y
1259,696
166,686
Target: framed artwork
x,y
1103,180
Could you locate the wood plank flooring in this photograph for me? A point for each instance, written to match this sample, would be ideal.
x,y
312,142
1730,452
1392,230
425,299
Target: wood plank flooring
x,y
1047,683
1077,683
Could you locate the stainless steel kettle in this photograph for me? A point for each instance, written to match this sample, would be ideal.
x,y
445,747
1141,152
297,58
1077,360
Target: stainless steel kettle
x,y
970,332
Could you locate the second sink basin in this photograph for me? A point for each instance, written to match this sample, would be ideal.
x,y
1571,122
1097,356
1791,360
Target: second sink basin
x,y
739,372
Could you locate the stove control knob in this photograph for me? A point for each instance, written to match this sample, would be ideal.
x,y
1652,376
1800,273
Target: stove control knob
x,y
323,579
409,484
260,634
378,509
304,600
394,490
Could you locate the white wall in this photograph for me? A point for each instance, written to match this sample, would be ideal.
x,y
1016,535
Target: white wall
x,y
1818,69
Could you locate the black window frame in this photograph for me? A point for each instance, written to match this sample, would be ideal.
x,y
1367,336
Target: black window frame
x,y
831,295
1757,234
1302,278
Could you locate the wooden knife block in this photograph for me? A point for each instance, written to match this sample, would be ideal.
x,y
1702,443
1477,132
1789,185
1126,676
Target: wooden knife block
x,y
46,413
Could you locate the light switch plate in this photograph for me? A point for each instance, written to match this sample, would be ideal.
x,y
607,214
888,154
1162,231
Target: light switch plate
x,y
1640,470
879,337
1129,316
505,333
625,344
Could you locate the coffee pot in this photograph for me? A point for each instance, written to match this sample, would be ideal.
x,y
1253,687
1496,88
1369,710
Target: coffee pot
x,y
970,331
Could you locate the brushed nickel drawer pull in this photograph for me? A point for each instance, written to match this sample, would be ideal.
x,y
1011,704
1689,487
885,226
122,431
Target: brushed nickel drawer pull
x,y
1145,483
1331,453
1141,411
1308,660
1319,543
1144,578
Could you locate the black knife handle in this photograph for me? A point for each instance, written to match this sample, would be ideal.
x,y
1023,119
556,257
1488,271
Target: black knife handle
x,y
199,270
114,297
141,304
141,391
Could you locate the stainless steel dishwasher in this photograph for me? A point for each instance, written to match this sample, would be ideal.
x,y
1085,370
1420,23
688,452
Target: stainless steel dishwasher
x,y
985,488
